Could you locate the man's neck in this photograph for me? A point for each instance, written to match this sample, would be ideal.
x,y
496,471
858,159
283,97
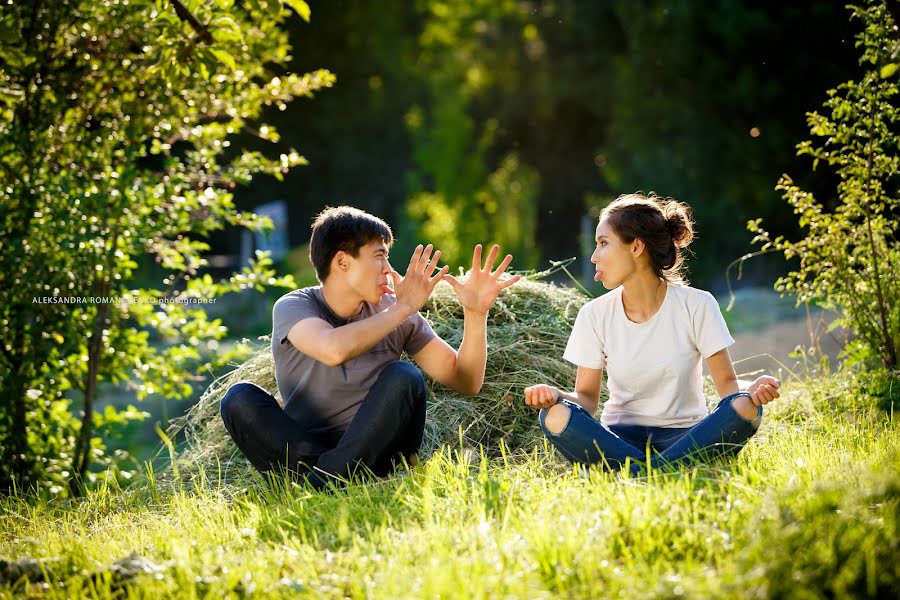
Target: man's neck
x,y
341,300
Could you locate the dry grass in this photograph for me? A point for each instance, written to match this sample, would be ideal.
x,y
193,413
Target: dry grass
x,y
527,332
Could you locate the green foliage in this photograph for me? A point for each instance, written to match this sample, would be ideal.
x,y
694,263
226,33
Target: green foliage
x,y
849,257
455,200
116,127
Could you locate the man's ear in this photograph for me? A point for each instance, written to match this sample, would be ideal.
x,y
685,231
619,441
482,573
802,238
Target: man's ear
x,y
341,261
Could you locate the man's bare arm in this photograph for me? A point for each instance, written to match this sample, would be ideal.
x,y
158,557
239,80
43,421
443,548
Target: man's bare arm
x,y
336,345
461,371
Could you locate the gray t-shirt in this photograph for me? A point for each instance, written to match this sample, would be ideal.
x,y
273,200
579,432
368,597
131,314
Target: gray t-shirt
x,y
323,398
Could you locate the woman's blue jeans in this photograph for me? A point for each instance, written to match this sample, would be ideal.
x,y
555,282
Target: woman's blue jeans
x,y
586,441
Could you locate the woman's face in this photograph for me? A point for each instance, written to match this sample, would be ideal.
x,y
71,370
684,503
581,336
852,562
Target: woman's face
x,y
612,258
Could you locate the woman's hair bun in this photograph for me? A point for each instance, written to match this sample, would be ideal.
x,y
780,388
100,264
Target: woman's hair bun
x,y
678,221
664,225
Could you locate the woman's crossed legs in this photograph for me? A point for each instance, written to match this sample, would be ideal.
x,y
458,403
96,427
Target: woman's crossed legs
x,y
582,439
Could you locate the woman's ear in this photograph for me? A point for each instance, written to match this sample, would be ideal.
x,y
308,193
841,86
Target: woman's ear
x,y
637,247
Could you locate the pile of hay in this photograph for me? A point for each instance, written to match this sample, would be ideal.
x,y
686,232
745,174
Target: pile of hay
x,y
528,328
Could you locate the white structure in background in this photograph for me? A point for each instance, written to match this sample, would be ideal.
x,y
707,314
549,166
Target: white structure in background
x,y
275,240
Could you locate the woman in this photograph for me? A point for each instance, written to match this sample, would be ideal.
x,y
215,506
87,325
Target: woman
x,y
649,333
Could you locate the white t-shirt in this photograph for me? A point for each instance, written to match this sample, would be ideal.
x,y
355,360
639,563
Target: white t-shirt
x,y
654,369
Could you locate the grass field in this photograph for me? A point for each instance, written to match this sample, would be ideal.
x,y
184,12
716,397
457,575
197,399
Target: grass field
x,y
809,509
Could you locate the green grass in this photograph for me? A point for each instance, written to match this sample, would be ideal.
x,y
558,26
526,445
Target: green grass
x,y
809,509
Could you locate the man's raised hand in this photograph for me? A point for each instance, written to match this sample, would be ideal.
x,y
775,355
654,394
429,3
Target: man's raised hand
x,y
416,286
481,288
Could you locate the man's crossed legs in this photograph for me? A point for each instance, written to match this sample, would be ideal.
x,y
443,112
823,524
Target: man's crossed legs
x,y
387,427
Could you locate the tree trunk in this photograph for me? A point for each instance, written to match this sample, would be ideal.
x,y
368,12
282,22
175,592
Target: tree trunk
x,y
14,400
82,458
15,446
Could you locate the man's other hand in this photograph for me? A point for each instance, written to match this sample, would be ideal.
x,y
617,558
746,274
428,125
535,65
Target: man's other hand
x,y
482,286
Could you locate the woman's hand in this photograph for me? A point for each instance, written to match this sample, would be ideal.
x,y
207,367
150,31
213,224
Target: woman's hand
x,y
541,396
764,390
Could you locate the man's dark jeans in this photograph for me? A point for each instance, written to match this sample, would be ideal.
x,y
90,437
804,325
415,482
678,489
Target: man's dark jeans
x,y
388,425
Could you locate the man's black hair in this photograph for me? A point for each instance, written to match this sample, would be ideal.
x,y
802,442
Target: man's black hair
x,y
343,228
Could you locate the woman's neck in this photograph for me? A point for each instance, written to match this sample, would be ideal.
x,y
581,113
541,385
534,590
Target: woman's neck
x,y
642,297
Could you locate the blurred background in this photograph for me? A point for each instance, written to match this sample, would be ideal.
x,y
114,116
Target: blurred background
x,y
466,121
514,122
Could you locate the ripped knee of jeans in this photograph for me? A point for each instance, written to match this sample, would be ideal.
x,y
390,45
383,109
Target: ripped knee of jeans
x,y
754,422
555,419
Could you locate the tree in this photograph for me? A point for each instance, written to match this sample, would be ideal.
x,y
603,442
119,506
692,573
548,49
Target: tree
x,y
456,201
849,258
116,120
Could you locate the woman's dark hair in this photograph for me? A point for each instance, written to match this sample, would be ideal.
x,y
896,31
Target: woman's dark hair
x,y
343,228
663,224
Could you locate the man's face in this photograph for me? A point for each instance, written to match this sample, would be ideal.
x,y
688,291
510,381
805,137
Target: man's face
x,y
368,272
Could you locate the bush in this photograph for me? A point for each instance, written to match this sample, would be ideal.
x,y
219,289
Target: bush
x,y
850,257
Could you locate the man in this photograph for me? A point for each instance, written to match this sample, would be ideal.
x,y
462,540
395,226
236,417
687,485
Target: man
x,y
349,401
